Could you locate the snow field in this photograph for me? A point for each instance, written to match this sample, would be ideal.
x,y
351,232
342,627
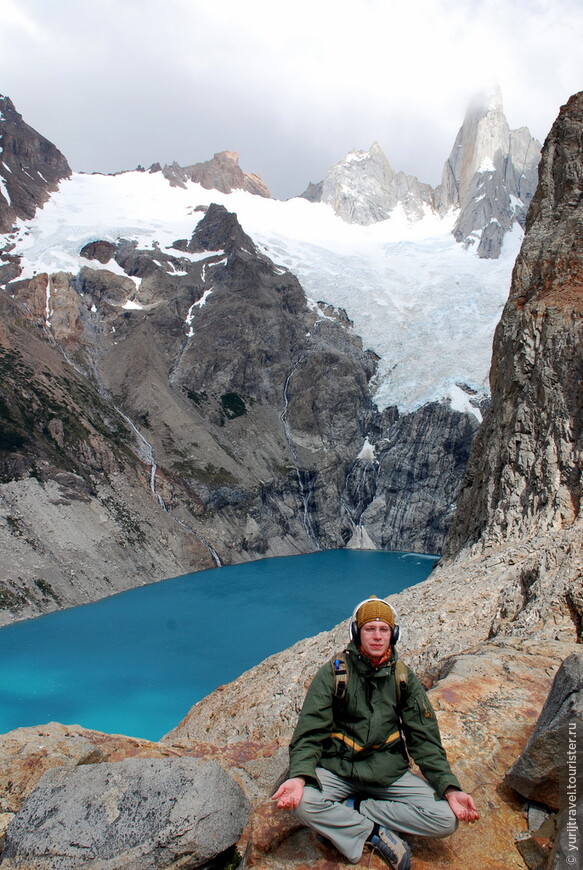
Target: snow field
x,y
425,305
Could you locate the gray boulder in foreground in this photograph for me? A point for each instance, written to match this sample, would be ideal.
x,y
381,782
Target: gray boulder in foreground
x,y
552,757
136,814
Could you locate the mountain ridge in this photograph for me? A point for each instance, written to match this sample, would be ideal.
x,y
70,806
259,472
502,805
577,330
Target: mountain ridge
x,y
241,401
485,146
489,178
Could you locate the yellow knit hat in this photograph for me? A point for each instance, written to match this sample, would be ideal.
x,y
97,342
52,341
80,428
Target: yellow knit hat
x,y
374,609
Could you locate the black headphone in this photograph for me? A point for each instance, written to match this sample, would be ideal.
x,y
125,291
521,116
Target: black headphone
x,y
355,631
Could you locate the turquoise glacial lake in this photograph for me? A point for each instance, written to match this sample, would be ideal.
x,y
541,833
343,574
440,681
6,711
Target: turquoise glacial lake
x,y
136,662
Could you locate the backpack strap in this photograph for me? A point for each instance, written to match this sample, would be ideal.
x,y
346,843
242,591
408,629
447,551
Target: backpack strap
x,y
401,680
340,669
401,684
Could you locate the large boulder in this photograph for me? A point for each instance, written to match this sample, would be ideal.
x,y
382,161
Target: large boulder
x,y
136,814
549,759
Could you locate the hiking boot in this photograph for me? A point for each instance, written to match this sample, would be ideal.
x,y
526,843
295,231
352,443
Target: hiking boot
x,y
395,851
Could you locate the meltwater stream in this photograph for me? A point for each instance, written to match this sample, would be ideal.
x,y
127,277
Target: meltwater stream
x,y
136,662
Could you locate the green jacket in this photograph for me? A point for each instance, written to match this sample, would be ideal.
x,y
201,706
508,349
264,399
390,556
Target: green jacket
x,y
359,737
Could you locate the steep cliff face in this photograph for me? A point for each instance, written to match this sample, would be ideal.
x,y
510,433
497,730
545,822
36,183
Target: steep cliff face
x,y
522,495
400,493
525,474
490,176
30,167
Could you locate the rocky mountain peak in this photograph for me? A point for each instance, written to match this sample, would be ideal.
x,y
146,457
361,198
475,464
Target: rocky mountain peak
x,y
482,140
360,187
222,173
523,482
219,230
363,188
31,167
490,176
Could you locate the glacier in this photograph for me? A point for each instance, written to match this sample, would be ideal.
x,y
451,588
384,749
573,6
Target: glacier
x,y
423,303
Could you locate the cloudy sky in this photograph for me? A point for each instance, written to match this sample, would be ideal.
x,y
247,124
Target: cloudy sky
x,y
291,86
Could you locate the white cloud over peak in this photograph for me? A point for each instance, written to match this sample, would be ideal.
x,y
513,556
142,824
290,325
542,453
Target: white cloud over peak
x,y
292,87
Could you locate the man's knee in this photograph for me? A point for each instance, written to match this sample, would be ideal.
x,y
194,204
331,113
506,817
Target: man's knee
x,y
443,819
311,803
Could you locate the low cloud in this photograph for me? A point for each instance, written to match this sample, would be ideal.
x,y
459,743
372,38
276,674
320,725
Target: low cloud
x,y
118,83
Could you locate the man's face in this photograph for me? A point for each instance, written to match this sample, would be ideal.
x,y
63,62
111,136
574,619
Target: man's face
x,y
375,639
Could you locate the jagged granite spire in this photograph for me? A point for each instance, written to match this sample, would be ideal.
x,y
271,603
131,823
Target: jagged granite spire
x,y
363,188
490,176
31,167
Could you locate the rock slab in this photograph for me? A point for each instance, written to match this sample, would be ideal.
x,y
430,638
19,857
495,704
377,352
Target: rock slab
x,y
542,771
136,814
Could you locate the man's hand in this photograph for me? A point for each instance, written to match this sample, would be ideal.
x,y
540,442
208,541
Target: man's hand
x,y
289,794
462,805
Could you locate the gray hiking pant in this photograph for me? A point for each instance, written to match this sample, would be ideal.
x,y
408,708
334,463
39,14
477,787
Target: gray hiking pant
x,y
408,806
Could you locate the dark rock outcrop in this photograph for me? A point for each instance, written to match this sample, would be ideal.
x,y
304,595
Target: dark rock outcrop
x,y
30,167
552,755
313,192
99,250
401,494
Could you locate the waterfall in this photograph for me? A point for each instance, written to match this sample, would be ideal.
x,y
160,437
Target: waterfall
x,y
203,541
150,457
147,454
307,496
210,548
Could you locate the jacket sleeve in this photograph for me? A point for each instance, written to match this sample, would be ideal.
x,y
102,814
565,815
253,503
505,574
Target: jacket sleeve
x,y
423,737
315,724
